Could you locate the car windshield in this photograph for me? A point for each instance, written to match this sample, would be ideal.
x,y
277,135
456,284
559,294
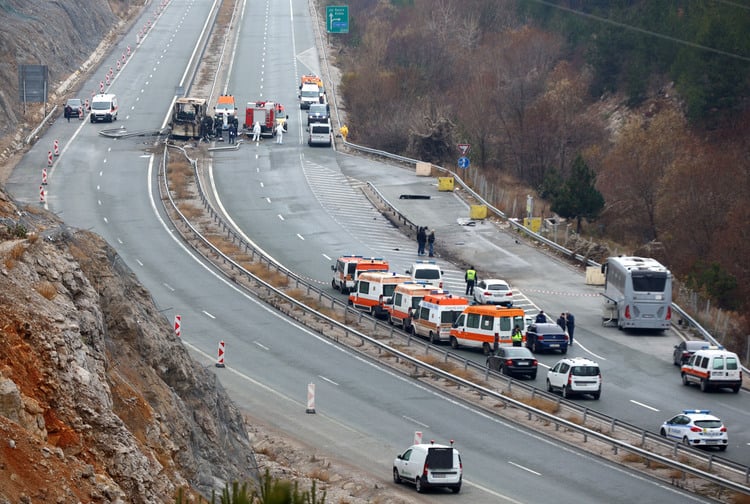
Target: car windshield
x,y
585,370
317,109
100,105
309,93
75,102
708,424
427,274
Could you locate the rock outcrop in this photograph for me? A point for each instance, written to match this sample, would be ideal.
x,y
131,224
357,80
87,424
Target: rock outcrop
x,y
99,401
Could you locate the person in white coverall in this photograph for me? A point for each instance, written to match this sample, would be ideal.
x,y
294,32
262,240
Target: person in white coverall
x,y
279,133
256,131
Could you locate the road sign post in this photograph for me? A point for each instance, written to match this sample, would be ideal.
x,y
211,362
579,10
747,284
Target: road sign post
x,y
337,19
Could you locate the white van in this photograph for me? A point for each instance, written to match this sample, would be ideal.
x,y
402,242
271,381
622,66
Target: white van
x,y
104,108
426,271
486,326
429,465
320,134
713,368
436,314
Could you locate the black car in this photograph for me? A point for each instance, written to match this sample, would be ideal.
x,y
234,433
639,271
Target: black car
x,y
73,108
546,336
513,361
318,113
685,349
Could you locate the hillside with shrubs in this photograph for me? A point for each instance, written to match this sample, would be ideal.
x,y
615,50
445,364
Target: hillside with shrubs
x,y
630,118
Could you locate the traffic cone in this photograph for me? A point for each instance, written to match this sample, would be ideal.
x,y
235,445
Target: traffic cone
x,y
41,195
44,176
220,362
56,147
310,398
177,325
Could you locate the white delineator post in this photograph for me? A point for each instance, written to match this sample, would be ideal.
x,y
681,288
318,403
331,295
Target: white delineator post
x,y
177,325
56,147
44,176
310,398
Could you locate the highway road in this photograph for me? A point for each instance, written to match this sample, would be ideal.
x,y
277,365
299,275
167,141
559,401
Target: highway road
x,y
274,193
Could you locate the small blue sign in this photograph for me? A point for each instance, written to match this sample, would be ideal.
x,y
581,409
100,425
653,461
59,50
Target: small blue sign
x,y
463,162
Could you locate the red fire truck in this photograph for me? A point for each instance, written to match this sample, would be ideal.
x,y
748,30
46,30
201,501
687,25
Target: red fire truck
x,y
268,114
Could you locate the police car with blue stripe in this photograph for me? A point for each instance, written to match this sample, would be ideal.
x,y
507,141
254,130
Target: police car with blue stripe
x,y
696,428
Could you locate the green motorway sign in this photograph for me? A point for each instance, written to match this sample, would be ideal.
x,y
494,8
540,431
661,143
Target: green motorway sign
x,y
337,19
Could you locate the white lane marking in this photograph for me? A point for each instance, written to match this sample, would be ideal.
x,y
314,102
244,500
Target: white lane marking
x,y
576,342
643,405
424,425
262,184
165,284
524,468
281,216
106,221
264,347
268,199
208,314
139,262
327,258
99,202
328,380
119,241
300,237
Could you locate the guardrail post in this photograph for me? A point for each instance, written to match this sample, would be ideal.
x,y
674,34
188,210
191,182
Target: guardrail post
x,y
447,354
710,462
612,425
585,412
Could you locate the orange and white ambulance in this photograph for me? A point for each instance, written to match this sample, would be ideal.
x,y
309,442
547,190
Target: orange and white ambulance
x,y
372,290
404,303
436,315
484,326
348,268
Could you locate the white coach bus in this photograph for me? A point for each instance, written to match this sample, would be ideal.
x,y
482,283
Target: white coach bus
x,y
640,290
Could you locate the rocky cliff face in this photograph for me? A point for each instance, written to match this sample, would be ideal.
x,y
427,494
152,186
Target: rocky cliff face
x,y
99,401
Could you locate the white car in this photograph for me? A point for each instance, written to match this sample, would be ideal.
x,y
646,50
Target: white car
x,y
429,465
493,291
575,376
696,428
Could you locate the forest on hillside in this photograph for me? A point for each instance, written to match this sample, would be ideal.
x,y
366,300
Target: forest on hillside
x,y
636,111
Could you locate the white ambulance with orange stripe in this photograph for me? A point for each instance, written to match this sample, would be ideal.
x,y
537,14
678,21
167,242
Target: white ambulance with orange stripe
x,y
713,368
349,267
436,315
404,303
485,326
373,289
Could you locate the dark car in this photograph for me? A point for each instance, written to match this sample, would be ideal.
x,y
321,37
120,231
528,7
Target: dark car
x,y
513,361
685,349
319,112
546,336
73,108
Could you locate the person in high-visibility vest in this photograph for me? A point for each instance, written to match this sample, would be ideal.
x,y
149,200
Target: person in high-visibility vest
x,y
471,278
517,336
344,131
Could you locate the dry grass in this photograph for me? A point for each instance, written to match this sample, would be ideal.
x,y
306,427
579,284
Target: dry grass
x,y
319,474
190,211
46,289
632,458
17,251
9,263
32,238
543,404
740,498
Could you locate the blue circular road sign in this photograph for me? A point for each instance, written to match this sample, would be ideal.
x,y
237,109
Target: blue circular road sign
x,y
463,162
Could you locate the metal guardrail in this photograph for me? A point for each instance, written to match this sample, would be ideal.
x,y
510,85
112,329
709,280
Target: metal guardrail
x,y
711,461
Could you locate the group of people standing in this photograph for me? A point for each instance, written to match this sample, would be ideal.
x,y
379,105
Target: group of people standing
x,y
278,129
425,237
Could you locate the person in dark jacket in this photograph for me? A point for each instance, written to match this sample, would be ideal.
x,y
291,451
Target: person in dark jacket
x,y
561,321
431,242
541,318
421,240
570,324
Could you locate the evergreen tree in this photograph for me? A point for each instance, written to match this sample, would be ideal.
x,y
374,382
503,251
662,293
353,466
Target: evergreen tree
x,y
578,196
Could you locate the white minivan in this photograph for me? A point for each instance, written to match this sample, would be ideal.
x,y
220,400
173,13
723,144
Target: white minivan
x,y
104,108
429,465
320,134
